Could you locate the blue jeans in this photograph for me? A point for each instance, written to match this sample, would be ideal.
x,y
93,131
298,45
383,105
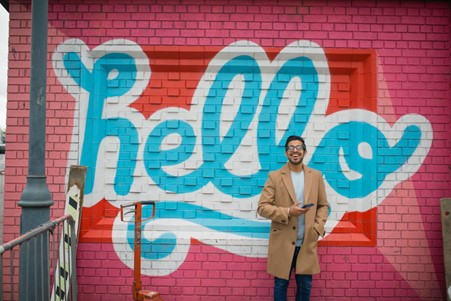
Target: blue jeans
x,y
303,284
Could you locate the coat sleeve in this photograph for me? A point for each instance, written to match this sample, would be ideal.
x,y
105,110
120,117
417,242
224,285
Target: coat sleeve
x,y
323,208
267,207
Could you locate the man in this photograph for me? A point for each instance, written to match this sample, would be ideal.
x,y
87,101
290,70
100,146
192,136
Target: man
x,y
294,233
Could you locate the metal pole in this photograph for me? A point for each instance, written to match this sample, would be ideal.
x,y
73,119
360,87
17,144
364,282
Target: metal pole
x,y
36,198
137,285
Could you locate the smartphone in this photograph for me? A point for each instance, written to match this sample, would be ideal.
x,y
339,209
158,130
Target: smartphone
x,y
307,205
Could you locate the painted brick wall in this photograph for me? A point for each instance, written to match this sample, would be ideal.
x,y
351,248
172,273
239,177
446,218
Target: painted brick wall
x,y
387,67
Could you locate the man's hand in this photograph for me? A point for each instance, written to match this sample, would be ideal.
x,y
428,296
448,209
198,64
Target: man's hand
x,y
296,210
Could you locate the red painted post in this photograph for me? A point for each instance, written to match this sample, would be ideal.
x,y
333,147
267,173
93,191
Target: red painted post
x,y
138,293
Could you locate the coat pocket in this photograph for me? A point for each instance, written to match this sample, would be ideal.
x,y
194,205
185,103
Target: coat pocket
x,y
315,234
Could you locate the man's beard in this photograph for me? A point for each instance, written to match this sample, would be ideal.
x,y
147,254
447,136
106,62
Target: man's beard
x,y
296,163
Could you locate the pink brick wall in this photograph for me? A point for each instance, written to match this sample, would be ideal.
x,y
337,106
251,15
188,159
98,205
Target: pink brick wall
x,y
411,40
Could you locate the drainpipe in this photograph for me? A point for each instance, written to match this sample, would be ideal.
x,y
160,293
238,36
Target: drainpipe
x,y
36,198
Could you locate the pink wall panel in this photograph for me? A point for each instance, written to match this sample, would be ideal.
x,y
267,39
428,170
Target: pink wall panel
x,y
384,65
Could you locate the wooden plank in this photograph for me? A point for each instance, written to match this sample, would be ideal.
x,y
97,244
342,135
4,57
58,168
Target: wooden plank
x,y
445,205
74,205
76,183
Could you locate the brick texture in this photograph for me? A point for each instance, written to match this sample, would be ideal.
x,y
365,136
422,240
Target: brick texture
x,y
403,257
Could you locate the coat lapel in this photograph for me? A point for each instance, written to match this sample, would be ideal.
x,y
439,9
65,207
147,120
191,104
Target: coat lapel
x,y
307,182
286,178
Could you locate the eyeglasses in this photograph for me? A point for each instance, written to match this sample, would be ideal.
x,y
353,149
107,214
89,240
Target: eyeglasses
x,y
295,147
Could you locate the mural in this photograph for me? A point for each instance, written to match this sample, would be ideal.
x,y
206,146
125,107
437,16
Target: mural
x,y
205,161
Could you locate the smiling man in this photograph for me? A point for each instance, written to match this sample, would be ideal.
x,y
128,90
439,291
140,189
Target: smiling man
x,y
294,199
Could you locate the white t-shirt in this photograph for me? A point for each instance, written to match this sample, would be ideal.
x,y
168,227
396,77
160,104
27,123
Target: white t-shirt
x,y
298,183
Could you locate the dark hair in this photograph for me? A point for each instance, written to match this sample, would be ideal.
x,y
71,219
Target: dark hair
x,y
294,137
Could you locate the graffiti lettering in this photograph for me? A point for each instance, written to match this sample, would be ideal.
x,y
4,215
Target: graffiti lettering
x,y
244,108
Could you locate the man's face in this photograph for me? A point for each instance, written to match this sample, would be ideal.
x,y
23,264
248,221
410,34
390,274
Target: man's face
x,y
295,152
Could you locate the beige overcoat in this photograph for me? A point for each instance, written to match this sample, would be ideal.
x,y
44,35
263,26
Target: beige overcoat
x,y
277,196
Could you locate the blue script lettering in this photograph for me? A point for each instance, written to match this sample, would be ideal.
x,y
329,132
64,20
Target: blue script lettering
x,y
217,151
100,87
270,153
